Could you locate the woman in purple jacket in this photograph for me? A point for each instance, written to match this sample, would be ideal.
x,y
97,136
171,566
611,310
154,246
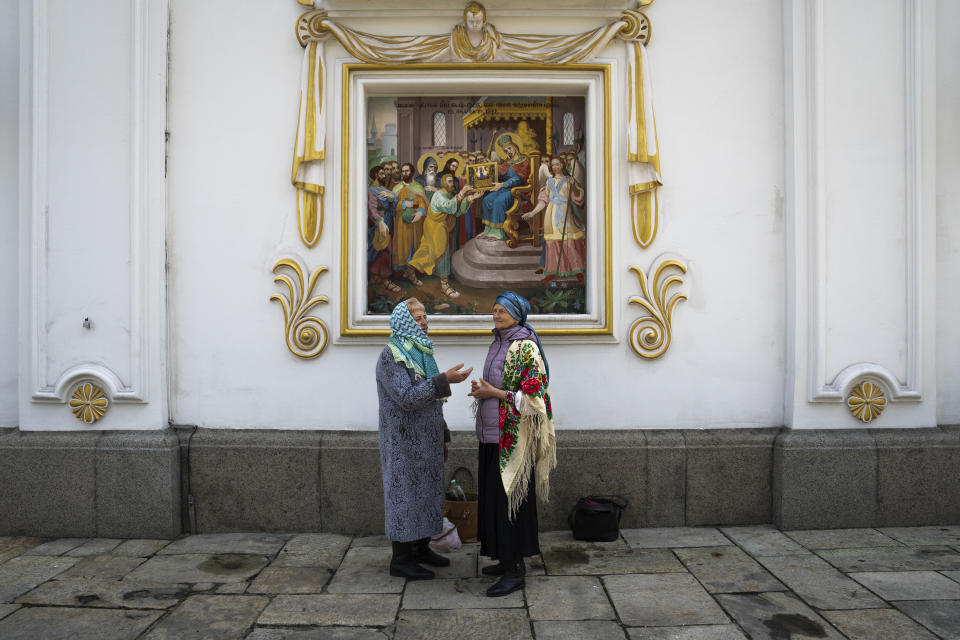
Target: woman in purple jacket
x,y
517,444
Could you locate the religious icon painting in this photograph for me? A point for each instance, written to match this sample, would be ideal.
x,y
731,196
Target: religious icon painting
x,y
470,194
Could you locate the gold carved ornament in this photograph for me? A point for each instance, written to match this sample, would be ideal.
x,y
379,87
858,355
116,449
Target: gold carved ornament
x,y
306,335
866,401
650,335
476,40
89,402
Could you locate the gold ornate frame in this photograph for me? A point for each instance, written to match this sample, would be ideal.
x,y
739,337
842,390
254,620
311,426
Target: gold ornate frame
x,y
362,80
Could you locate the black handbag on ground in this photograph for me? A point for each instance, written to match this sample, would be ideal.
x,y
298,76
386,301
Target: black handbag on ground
x,y
597,518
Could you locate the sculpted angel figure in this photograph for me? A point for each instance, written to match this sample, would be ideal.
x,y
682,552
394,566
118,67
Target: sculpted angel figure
x,y
475,39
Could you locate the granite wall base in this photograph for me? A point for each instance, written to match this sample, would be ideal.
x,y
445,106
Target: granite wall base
x,y
160,484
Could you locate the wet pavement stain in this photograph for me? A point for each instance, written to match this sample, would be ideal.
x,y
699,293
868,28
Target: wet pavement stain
x,y
566,556
87,598
785,626
231,563
156,594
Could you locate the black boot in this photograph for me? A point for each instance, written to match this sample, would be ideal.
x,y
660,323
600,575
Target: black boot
x,y
403,564
511,581
423,553
494,569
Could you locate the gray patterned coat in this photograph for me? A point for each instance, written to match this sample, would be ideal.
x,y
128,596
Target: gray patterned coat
x,y
412,433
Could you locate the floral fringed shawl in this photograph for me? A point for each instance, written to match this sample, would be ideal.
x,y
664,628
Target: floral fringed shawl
x,y
527,440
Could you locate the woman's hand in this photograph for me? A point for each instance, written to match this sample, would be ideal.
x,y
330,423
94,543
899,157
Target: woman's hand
x,y
456,373
481,390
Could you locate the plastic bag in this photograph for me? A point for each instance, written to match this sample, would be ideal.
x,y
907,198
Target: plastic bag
x,y
447,540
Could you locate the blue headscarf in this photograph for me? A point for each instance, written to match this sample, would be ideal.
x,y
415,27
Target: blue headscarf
x,y
410,344
518,307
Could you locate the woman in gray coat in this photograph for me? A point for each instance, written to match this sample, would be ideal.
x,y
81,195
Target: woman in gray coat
x,y
413,439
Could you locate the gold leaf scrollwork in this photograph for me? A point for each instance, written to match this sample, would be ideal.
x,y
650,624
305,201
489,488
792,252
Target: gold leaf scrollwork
x,y
650,335
866,401
636,27
89,402
306,335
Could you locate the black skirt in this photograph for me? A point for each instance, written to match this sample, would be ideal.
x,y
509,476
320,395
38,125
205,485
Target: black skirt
x,y
501,539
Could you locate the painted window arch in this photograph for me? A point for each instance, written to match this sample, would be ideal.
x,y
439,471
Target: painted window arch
x,y
439,129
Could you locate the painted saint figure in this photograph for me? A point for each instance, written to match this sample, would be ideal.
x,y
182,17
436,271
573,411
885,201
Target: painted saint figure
x,y
434,251
411,209
565,248
514,171
381,203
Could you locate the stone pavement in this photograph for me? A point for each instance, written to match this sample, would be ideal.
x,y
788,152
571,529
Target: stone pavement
x,y
682,583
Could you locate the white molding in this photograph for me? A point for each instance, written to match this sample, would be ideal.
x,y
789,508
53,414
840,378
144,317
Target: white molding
x,y
35,208
810,210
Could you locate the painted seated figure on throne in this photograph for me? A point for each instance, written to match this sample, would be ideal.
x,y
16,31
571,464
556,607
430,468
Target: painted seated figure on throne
x,y
513,171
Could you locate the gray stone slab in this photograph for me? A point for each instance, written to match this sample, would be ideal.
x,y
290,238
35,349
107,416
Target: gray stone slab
x,y
700,632
94,547
463,564
567,598
841,538
662,600
674,537
460,593
871,624
7,609
892,559
291,580
265,544
211,617
322,633
109,594
138,484
824,479
819,584
139,548
925,536
331,609
349,475
56,547
562,630
233,587
199,568
575,560
378,540
909,585
727,570
916,476
534,564
666,479
12,547
463,624
101,568
69,623
313,550
365,570
763,540
728,475
21,574
939,616
261,480
565,538
49,483
600,463
776,616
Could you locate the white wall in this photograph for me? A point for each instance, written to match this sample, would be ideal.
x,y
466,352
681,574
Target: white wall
x,y
725,87
948,213
232,216
9,79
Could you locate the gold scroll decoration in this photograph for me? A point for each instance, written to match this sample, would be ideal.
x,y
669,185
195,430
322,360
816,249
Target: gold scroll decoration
x,y
866,401
309,150
476,40
306,335
89,402
650,335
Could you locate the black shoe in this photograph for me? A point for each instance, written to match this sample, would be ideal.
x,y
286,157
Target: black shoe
x,y
403,564
423,553
511,581
494,569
